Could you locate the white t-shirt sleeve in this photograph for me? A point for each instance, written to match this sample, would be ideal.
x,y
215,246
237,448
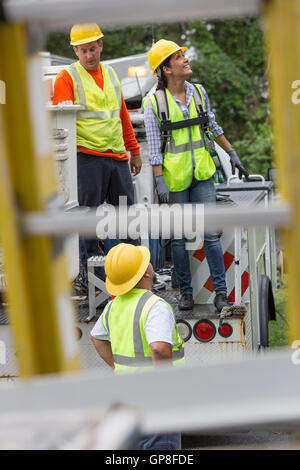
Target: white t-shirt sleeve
x,y
98,331
160,323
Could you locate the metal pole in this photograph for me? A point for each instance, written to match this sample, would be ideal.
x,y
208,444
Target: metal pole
x,y
282,25
58,14
268,244
261,393
237,266
60,223
38,289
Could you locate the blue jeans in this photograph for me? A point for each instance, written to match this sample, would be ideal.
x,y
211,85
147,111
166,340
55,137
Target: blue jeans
x,y
201,192
167,441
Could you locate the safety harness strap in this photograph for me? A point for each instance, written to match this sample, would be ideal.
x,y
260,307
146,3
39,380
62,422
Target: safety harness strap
x,y
166,126
163,114
171,126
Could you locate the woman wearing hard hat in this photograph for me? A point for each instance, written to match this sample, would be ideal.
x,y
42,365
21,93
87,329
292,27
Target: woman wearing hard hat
x,y
180,131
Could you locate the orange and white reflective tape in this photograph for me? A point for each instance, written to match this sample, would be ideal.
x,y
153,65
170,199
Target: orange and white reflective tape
x,y
201,278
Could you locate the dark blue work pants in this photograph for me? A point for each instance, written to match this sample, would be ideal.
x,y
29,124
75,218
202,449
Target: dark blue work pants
x,y
100,179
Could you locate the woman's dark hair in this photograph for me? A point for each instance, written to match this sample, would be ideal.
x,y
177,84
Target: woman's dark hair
x,y
162,83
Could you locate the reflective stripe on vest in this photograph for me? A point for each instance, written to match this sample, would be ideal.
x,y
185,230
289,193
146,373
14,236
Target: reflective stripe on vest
x,y
147,299
82,97
163,113
185,155
184,147
98,125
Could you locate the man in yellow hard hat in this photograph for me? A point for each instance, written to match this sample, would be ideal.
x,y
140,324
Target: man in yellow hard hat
x,y
103,127
181,130
137,329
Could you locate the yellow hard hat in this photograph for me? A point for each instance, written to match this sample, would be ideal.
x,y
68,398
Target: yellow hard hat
x,y
160,51
125,266
84,33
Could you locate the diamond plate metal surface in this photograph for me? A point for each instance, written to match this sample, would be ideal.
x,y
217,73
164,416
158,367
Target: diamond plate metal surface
x,y
3,315
220,349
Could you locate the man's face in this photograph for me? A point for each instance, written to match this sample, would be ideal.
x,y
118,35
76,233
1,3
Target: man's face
x,y
89,54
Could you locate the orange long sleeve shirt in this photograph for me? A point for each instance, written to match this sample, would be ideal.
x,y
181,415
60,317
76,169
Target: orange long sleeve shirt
x,y
64,91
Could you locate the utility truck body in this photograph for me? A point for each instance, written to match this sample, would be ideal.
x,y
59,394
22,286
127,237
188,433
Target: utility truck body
x,y
249,253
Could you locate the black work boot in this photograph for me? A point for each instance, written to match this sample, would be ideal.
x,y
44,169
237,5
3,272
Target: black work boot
x,y
221,301
186,301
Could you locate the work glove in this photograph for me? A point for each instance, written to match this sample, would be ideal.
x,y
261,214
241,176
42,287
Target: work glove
x,y
162,189
236,163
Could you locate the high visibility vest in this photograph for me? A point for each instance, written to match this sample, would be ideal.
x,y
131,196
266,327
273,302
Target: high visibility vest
x,y
98,125
124,319
185,153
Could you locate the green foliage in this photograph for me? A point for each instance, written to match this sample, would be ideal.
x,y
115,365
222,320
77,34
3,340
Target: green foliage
x,y
136,40
59,44
229,62
278,330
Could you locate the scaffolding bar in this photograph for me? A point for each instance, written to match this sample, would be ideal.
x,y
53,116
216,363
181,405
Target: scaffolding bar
x,y
60,15
62,223
282,27
38,287
229,396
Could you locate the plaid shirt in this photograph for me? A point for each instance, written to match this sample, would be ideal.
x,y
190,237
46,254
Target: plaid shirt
x,y
152,125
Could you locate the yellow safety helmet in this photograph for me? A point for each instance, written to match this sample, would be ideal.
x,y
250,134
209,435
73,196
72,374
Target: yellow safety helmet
x,y
160,51
125,266
84,33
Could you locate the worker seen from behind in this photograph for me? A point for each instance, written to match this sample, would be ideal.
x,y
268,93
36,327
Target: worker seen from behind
x,y
181,130
103,127
137,329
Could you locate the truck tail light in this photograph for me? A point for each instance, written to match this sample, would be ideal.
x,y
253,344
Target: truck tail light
x,y
225,330
184,329
204,330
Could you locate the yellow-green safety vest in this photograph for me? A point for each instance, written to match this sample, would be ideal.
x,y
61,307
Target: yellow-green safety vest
x,y
186,155
98,125
124,320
